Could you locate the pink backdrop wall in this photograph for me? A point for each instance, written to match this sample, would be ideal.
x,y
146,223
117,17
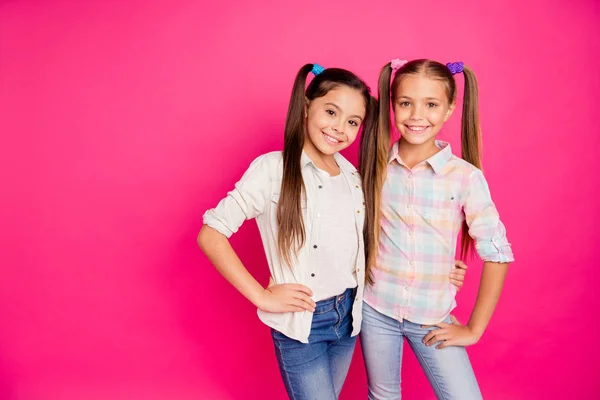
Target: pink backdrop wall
x,y
122,121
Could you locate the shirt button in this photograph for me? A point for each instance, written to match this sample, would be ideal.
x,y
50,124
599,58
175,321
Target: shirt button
x,y
357,269
357,186
320,186
318,215
412,263
313,275
315,246
358,211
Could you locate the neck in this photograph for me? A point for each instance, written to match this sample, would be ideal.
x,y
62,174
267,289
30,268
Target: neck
x,y
326,162
414,154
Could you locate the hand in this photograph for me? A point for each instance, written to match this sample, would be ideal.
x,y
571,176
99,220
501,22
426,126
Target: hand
x,y
451,334
457,276
287,297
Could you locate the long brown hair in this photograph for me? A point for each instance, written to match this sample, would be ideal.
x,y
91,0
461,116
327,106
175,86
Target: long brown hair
x,y
374,176
291,236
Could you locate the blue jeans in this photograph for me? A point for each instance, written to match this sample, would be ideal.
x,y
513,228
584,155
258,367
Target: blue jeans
x,y
448,370
316,370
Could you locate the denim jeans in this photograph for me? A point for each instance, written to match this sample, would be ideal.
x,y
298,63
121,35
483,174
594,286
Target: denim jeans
x,y
448,370
316,370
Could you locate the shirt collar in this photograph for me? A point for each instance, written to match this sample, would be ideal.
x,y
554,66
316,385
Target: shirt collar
x,y
437,162
345,165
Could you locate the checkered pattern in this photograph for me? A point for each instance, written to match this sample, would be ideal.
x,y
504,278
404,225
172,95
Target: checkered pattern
x,y
423,209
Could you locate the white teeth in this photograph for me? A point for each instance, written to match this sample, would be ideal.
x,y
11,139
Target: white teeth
x,y
417,128
331,139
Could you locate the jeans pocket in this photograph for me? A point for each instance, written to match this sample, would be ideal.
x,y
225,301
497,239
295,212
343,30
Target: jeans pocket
x,y
324,307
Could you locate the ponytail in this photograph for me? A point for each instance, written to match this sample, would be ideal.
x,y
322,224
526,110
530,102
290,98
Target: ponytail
x,y
291,236
471,141
373,154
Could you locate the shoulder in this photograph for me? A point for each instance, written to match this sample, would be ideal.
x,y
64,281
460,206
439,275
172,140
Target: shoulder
x,y
264,168
457,165
269,161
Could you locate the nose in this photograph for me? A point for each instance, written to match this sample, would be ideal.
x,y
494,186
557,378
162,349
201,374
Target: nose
x,y
417,112
337,126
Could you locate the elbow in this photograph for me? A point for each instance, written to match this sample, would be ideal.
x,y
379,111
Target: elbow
x,y
203,238
209,239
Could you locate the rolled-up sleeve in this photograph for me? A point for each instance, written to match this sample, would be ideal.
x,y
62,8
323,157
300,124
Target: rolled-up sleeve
x,y
484,222
246,201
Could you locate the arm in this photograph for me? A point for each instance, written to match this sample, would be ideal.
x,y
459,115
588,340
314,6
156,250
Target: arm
x,y
276,298
490,287
493,247
249,199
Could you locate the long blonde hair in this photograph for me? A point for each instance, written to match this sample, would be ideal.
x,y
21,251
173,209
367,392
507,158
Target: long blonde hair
x,y
375,147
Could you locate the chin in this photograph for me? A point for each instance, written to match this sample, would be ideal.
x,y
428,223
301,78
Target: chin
x,y
329,150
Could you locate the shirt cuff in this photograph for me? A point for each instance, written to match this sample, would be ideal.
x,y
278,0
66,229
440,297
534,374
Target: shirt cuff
x,y
211,219
495,251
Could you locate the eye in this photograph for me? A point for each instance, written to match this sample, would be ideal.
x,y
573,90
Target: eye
x,y
404,104
432,105
353,123
330,112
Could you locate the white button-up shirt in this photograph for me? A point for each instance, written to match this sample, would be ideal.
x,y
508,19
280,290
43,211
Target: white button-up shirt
x,y
256,196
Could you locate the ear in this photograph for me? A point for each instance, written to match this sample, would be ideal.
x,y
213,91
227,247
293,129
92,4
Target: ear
x,y
450,111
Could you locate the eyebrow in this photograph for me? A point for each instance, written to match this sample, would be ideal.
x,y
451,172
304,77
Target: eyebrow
x,y
339,109
426,98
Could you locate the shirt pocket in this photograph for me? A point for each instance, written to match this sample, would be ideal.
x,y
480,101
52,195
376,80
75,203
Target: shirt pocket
x,y
440,209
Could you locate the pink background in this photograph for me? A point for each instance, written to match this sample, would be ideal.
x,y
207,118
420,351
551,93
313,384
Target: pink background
x,y
123,121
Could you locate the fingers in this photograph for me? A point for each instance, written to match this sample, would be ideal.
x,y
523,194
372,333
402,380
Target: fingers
x,y
446,343
290,308
439,338
299,288
460,265
435,336
303,305
458,274
456,283
302,297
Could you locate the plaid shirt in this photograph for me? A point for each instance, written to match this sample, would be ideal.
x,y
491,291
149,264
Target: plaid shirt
x,y
423,209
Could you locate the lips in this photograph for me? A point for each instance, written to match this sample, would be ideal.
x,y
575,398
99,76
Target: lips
x,y
417,129
330,139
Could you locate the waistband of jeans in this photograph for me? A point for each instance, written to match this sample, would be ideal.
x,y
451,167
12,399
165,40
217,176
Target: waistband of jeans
x,y
348,293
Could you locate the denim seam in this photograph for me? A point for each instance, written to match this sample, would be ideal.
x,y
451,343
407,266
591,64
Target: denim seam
x,y
284,371
399,362
416,348
337,325
325,311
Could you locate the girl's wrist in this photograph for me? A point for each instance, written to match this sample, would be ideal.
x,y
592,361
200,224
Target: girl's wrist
x,y
476,330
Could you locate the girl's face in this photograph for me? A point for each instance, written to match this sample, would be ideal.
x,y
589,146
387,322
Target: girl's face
x,y
333,121
421,107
